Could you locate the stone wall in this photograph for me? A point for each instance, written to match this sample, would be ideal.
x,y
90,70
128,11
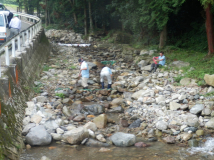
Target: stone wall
x,y
14,92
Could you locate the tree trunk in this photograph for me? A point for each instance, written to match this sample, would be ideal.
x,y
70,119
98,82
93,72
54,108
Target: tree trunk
x,y
46,13
91,21
74,14
85,20
163,37
209,29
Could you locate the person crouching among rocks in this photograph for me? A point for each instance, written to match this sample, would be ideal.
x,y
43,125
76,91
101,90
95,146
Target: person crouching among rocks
x,y
155,65
106,72
84,71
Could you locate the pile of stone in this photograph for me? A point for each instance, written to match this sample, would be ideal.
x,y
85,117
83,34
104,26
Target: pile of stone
x,y
64,36
148,105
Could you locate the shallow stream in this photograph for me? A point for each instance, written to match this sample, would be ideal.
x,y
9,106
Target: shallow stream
x,y
157,151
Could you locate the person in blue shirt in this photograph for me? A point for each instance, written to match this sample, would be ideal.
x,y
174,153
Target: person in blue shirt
x,y
84,71
106,72
155,65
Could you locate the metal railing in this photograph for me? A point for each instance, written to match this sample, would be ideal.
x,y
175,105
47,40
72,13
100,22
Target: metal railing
x,y
17,43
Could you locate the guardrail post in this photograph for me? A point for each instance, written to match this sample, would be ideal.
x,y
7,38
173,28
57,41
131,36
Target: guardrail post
x,y
19,43
13,48
27,36
23,38
30,34
7,60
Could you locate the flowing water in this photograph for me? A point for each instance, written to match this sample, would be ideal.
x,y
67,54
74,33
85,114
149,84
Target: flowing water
x,y
157,151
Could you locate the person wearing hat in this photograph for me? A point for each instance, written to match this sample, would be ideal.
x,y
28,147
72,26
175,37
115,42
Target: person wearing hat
x,y
106,72
84,69
15,25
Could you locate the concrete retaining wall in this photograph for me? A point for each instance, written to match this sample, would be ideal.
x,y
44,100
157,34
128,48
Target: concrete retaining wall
x,y
14,92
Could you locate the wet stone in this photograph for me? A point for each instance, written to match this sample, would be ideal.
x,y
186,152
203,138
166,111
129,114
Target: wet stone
x,y
135,124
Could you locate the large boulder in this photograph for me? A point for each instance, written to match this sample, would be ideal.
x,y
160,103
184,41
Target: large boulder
x,y
100,121
179,64
209,79
123,139
76,136
197,108
38,136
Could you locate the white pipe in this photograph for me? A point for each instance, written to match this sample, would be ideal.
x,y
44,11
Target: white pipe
x,y
13,48
7,60
19,43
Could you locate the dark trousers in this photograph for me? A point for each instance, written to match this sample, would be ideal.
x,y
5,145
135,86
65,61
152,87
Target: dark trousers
x,y
155,65
9,17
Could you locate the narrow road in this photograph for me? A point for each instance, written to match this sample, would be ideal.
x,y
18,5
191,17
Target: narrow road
x,y
24,26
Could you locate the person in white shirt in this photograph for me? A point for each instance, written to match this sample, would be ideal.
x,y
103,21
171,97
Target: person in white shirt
x,y
106,72
15,25
84,68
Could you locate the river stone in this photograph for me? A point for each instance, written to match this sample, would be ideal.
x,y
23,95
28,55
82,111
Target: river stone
x,y
146,68
179,64
142,63
26,120
135,124
100,121
193,143
117,102
186,136
36,119
41,99
209,79
118,109
27,128
104,150
197,108
185,81
200,132
45,158
193,129
210,89
206,112
59,131
123,139
141,144
51,126
174,106
56,136
67,101
101,138
169,139
94,143
210,124
90,125
76,136
65,111
38,136
93,109
161,125
79,118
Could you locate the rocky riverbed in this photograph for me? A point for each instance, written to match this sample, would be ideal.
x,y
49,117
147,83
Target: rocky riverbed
x,y
139,104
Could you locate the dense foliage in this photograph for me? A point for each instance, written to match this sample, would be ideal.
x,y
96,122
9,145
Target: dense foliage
x,y
178,22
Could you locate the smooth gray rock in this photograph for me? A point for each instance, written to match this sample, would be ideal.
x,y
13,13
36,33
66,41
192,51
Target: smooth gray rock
x,y
123,139
95,143
51,125
94,109
210,124
135,124
118,109
38,136
76,136
161,125
197,108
